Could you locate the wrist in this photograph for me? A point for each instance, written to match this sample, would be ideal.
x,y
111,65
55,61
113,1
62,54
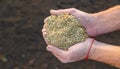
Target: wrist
x,y
89,50
91,28
93,49
98,23
96,50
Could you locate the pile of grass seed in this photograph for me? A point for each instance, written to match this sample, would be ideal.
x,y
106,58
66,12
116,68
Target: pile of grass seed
x,y
64,30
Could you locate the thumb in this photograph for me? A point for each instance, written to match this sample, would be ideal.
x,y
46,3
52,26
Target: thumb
x,y
60,54
56,51
60,11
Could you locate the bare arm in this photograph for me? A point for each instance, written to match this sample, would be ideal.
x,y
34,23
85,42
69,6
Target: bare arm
x,y
106,53
104,22
107,21
95,24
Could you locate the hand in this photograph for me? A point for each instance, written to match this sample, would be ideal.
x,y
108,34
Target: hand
x,y
77,51
85,18
74,53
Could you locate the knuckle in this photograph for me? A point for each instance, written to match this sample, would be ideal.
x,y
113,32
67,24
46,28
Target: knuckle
x,y
72,10
45,20
42,30
64,61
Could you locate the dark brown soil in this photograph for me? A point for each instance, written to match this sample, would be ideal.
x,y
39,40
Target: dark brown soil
x,y
21,41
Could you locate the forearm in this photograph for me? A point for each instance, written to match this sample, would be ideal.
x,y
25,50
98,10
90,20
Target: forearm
x,y
106,53
107,21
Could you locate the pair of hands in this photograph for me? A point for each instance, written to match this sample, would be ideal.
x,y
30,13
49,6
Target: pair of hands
x,y
79,50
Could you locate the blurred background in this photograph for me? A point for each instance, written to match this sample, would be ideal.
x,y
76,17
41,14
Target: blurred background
x,y
21,42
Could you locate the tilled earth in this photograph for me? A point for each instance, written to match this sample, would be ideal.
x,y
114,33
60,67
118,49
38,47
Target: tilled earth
x,y
21,42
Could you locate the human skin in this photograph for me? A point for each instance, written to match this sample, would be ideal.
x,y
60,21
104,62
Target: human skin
x,y
107,21
95,24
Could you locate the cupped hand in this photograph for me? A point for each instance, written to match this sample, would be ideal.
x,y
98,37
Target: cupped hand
x,y
76,52
86,19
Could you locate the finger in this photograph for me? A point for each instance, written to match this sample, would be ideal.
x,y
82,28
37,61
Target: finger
x,y
45,20
63,56
44,34
60,54
54,49
57,12
43,30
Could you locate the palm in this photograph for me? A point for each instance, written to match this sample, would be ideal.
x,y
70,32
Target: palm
x,y
74,53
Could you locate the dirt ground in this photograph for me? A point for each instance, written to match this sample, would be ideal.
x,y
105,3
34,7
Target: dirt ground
x,y
21,42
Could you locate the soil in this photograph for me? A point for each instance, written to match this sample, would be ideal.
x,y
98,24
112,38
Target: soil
x,y
21,42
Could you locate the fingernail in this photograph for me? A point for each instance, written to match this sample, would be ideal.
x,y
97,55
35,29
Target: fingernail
x,y
49,48
44,33
43,30
52,10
